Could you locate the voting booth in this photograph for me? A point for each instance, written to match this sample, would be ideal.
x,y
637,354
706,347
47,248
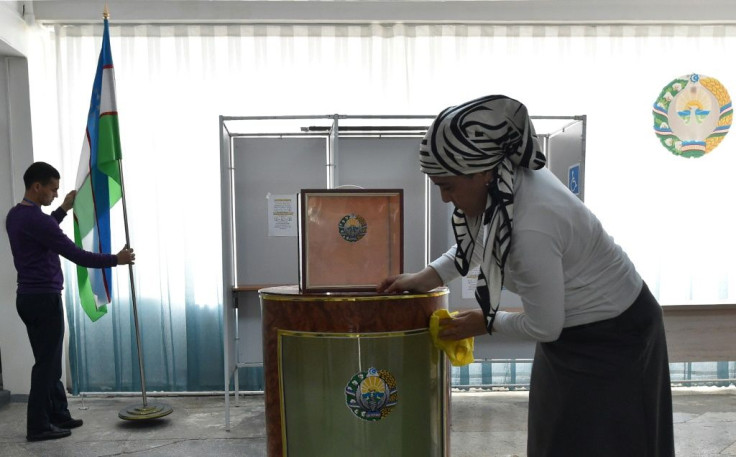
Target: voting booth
x,y
266,161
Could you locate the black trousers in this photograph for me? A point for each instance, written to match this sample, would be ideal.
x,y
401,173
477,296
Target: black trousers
x,y
44,318
603,389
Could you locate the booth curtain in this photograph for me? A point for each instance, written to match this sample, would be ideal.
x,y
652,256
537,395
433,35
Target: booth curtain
x,y
672,215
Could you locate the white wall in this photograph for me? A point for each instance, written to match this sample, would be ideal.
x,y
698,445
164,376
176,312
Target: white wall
x,y
13,29
16,153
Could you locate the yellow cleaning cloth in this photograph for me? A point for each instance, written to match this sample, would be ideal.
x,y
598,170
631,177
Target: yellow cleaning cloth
x,y
460,352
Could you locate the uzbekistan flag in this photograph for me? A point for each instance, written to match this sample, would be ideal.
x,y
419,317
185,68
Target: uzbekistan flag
x,y
98,184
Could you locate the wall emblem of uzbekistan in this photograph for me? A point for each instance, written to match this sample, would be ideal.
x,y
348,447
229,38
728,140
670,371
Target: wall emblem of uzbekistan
x,y
692,115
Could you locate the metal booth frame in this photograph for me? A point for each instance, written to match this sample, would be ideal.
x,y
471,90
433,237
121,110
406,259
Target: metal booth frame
x,y
330,128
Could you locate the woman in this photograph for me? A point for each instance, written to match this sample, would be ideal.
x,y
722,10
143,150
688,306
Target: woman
x,y
600,378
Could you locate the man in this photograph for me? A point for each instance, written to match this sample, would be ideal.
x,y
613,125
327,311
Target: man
x,y
36,241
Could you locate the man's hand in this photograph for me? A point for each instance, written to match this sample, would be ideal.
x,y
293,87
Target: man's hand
x,y
126,256
69,201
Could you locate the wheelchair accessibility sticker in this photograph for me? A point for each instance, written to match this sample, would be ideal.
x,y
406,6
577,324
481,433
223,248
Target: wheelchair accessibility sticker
x,y
573,179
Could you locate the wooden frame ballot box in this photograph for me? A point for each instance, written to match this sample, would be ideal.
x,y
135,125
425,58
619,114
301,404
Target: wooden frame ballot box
x,y
361,231
353,374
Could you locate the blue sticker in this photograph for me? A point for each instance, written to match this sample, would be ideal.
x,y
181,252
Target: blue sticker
x,y
573,179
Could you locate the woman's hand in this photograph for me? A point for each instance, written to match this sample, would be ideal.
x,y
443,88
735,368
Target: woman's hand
x,y
398,283
421,281
463,325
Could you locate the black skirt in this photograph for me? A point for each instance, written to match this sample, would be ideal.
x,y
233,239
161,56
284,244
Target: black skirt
x,y
603,389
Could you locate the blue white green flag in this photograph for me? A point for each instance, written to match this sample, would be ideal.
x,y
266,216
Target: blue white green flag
x,y
98,184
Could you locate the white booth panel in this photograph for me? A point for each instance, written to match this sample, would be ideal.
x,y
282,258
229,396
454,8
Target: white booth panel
x,y
390,163
264,167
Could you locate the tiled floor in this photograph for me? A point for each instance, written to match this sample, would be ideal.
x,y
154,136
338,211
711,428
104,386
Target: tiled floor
x,y
483,424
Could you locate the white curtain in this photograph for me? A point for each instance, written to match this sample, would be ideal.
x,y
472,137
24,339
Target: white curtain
x,y
672,215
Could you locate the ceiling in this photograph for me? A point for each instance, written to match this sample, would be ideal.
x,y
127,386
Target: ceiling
x,y
376,11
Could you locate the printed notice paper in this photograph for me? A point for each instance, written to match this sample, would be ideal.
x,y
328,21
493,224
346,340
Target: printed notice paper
x,y
281,215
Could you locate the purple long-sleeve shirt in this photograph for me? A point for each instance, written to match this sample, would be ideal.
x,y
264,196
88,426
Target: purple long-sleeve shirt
x,y
37,241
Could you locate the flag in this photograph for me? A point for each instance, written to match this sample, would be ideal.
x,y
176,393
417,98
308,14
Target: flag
x,y
98,184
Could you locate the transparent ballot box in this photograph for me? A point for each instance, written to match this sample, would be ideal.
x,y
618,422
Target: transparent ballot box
x,y
349,239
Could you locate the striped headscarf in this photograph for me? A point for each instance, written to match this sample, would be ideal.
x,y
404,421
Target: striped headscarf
x,y
489,133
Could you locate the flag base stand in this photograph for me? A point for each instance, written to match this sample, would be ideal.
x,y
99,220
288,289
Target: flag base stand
x,y
145,412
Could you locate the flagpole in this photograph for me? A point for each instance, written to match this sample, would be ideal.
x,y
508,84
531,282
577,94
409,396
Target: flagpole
x,y
147,411
136,412
132,289
106,16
